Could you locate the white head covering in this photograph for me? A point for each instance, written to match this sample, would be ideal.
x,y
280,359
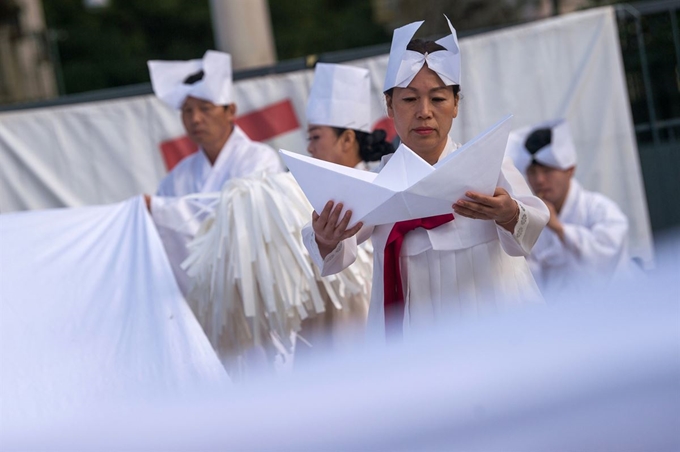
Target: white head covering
x,y
403,64
168,79
559,152
340,97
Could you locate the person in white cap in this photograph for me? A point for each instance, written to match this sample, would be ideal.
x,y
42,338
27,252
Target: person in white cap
x,y
339,118
339,131
586,239
475,263
202,90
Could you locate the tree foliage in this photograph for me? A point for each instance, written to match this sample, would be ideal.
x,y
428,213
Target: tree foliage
x,y
109,46
305,27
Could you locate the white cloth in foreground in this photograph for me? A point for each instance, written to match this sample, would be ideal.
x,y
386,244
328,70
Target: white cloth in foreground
x,y
462,267
176,221
89,312
595,247
598,374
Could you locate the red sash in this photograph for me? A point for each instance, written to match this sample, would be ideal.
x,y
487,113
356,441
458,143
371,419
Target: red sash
x,y
393,288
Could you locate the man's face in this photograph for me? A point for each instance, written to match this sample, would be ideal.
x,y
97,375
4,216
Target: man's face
x,y
550,184
207,124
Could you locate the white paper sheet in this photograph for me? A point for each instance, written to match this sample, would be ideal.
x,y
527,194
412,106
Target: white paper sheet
x,y
407,187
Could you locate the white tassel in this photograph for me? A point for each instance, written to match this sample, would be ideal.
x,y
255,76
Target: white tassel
x,y
253,282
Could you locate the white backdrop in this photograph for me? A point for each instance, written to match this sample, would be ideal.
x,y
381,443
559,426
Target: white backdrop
x,y
569,66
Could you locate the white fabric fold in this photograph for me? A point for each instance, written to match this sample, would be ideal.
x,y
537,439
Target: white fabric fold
x,y
89,312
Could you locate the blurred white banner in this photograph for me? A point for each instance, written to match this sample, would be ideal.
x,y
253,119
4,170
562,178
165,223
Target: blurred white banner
x,y
569,66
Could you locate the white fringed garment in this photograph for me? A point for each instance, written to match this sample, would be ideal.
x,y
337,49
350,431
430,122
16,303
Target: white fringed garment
x,y
253,281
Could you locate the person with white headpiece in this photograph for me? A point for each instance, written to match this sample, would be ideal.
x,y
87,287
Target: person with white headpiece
x,y
202,91
339,118
586,239
427,270
339,131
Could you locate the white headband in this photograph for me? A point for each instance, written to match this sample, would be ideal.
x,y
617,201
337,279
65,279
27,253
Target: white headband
x,y
560,153
340,97
403,64
168,79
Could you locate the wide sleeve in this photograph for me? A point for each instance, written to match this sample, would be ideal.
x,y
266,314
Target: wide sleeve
x,y
533,213
341,257
597,245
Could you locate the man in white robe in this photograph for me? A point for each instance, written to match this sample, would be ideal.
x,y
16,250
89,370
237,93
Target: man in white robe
x,y
586,239
202,91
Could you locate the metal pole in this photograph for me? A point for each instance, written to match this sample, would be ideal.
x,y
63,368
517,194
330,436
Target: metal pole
x,y
645,72
53,46
556,7
676,42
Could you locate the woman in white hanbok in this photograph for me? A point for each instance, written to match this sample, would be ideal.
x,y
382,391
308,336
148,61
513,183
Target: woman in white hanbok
x,y
339,132
471,265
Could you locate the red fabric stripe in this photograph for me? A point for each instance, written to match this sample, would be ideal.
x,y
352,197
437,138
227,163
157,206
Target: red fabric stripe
x,y
175,150
387,125
393,289
269,122
259,125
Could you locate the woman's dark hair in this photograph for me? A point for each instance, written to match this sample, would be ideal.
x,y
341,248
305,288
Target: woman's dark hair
x,y
423,46
372,146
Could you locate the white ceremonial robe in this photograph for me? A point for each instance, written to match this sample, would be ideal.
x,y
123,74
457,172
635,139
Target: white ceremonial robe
x,y
178,221
239,157
595,247
464,267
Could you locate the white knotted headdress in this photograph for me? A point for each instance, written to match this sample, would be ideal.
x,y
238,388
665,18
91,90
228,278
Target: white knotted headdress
x,y
559,153
340,97
213,73
404,64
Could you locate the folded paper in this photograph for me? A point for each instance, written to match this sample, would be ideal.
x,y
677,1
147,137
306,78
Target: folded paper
x,y
407,187
404,64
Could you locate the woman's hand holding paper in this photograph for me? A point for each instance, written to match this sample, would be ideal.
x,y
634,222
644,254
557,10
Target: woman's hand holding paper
x,y
330,229
500,208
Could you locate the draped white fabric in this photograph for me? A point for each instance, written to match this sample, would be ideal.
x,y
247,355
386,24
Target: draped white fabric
x,y
90,311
